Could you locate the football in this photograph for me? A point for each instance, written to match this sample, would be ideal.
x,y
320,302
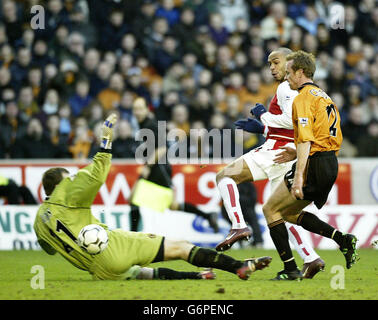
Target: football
x,y
93,239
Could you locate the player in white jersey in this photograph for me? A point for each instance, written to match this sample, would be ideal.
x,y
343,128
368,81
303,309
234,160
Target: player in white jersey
x,y
265,162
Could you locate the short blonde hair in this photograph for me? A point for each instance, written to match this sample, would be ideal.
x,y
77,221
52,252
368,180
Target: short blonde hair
x,y
303,60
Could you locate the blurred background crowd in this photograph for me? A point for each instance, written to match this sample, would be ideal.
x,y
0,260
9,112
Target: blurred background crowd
x,y
198,64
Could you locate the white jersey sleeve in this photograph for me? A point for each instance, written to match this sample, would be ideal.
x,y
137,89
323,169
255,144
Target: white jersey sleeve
x,y
285,98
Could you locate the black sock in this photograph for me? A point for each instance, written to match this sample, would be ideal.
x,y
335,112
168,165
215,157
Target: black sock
x,y
280,237
169,274
313,224
208,258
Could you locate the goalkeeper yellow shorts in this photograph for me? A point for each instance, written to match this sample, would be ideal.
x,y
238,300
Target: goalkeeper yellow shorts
x,y
125,250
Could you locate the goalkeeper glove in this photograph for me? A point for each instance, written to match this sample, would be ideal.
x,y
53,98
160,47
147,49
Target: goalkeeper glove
x,y
258,110
250,125
107,132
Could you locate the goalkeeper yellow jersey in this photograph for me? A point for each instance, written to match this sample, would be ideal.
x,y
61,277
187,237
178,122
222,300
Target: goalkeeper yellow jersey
x,y
316,119
61,217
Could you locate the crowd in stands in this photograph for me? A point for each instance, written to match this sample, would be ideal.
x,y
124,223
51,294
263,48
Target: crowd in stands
x,y
198,64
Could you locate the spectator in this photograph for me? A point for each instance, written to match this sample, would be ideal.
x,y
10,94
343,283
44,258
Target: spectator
x,y
168,11
134,83
171,80
277,24
253,94
26,103
113,31
336,79
56,16
12,21
202,108
94,113
34,144
81,99
192,67
129,45
154,40
165,56
219,97
64,115
354,126
100,81
309,21
180,118
125,108
57,138
58,45
75,49
202,10
185,31
3,34
81,139
217,30
19,69
148,72
35,81
367,145
51,103
155,92
79,22
111,96
231,10
40,56
91,61
164,112
224,65
13,127
144,20
124,145
369,27
233,109
205,78
5,79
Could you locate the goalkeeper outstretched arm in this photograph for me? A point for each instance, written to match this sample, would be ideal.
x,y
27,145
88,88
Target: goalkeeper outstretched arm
x,y
89,179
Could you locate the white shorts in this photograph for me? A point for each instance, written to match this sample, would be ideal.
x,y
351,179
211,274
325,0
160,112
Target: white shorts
x,y
261,164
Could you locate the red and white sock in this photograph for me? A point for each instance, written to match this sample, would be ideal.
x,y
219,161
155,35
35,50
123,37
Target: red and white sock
x,y
304,249
230,195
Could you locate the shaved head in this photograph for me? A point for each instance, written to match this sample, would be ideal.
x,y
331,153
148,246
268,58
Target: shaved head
x,y
277,62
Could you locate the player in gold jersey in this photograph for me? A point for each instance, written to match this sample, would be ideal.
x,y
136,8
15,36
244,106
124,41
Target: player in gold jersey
x,y
318,137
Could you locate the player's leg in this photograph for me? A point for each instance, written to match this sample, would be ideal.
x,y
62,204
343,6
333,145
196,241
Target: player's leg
x,y
280,200
312,263
302,246
227,180
322,173
170,274
208,258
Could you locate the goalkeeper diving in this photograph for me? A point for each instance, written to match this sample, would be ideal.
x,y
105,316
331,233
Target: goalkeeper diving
x,y
67,209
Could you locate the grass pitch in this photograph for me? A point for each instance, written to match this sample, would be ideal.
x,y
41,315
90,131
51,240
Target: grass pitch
x,y
63,281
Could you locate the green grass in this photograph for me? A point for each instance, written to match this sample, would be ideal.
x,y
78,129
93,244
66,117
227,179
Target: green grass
x,y
63,281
